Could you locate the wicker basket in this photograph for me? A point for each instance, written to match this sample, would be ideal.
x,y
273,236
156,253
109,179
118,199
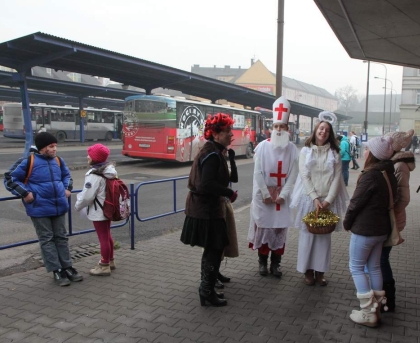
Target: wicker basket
x,y
321,222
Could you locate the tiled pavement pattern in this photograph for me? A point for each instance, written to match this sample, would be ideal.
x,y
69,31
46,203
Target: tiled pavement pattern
x,y
152,297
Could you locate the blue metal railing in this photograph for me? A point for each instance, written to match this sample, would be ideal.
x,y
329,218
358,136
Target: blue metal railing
x,y
131,220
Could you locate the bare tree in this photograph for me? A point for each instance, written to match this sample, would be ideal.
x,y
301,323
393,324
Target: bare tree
x,y
347,98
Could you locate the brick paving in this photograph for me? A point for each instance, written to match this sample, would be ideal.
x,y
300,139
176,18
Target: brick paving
x,y
152,296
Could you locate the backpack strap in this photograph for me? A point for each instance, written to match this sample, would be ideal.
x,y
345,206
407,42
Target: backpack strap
x,y
30,166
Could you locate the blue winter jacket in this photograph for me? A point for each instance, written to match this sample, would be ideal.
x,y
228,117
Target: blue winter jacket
x,y
47,182
345,149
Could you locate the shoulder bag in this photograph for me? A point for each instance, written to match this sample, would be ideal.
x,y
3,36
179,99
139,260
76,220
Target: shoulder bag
x,y
394,237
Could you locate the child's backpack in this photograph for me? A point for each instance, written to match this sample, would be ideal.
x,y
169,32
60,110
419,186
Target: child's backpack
x,y
117,200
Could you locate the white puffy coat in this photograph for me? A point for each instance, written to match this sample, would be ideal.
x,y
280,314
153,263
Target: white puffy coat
x,y
94,187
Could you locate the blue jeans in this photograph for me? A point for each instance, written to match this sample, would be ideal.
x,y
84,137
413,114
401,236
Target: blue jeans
x,y
345,171
52,235
366,250
386,269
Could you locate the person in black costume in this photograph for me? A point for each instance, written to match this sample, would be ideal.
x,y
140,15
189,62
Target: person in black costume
x,y
205,223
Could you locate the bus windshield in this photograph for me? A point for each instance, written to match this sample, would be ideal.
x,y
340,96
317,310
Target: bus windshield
x,y
149,110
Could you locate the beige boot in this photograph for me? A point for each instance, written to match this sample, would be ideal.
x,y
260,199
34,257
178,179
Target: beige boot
x,y
112,264
381,300
101,269
367,314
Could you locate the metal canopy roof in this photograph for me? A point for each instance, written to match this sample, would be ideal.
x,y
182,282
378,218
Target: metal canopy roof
x,y
386,31
13,95
75,89
40,49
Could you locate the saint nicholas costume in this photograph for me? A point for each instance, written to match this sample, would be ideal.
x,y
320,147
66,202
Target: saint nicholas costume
x,y
275,172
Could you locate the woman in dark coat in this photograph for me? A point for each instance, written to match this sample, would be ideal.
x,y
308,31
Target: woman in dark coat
x,y
205,223
367,218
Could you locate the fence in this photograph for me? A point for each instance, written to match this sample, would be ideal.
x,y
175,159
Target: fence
x,y
131,220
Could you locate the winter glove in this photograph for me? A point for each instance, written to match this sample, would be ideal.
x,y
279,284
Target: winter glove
x,y
233,197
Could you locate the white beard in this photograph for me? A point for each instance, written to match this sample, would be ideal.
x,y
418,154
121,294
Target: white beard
x,y
280,139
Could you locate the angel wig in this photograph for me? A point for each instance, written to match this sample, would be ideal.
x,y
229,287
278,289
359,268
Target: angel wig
x,y
216,123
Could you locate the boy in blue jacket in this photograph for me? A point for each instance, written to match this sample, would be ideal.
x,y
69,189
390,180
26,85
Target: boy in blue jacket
x,y
44,194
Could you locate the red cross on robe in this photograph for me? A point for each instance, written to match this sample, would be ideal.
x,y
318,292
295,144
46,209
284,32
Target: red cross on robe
x,y
279,176
280,111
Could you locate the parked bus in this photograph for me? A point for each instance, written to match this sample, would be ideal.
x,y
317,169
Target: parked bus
x,y
63,121
166,128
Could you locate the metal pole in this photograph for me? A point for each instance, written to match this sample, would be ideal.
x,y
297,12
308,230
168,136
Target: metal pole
x,y
280,26
390,107
383,121
367,100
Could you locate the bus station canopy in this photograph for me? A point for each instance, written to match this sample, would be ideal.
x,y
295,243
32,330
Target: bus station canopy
x,y
13,95
40,49
386,31
53,91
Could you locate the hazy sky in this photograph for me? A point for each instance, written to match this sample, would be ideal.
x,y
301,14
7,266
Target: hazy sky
x,y
181,33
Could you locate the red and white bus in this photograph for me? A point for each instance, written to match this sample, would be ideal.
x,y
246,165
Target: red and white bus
x,y
171,128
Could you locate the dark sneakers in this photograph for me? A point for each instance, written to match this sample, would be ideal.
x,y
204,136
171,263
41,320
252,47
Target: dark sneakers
x,y
60,278
73,275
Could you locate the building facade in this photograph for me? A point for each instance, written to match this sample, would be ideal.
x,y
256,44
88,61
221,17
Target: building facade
x,y
259,78
410,100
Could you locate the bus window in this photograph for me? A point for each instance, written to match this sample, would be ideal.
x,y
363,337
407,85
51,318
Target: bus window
x,y
93,117
107,117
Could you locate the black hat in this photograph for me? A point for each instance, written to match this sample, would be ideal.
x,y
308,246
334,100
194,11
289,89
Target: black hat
x,y
44,139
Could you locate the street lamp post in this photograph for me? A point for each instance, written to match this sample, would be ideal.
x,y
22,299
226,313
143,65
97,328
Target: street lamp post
x,y
390,103
365,124
386,72
395,102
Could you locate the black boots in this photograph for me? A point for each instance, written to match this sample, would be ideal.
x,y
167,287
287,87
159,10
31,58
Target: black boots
x,y
262,261
209,271
389,289
223,278
275,265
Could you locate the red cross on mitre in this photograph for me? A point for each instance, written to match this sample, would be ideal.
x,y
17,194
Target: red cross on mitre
x,y
280,111
279,176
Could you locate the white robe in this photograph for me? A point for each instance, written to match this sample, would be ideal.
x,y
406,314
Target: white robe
x,y
319,177
275,169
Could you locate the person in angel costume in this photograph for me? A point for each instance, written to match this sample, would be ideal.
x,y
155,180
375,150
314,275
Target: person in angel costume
x,y
275,172
318,186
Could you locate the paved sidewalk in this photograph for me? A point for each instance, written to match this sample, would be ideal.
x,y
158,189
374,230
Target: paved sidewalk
x,y
152,296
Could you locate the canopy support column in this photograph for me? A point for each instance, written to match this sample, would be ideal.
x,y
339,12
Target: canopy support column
x,y
20,78
82,120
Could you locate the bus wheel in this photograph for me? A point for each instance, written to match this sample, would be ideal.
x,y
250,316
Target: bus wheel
x,y
109,136
61,136
249,153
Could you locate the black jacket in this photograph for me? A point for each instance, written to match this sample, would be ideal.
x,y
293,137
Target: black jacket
x,y
368,212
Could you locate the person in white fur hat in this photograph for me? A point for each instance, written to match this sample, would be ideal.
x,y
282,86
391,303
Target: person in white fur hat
x,y
275,172
404,164
367,218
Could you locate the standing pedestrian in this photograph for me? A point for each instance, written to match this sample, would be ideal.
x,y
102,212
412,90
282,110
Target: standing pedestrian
x,y
205,223
45,194
354,150
92,197
415,143
319,186
275,172
231,250
367,218
345,157
404,164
